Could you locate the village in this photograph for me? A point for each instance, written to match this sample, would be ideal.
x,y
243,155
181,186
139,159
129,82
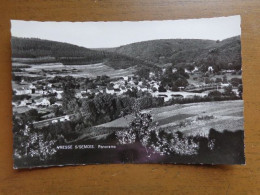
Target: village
x,y
45,95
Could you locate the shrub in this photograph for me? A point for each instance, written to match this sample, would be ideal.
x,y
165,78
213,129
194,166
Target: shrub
x,y
214,94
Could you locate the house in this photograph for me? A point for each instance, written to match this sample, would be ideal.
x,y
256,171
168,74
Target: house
x,y
116,86
210,69
59,96
143,88
58,90
181,88
43,102
151,75
126,78
110,90
101,89
123,89
117,90
228,71
47,116
64,118
54,121
39,91
140,83
195,69
32,88
22,91
96,91
24,102
58,103
78,95
224,84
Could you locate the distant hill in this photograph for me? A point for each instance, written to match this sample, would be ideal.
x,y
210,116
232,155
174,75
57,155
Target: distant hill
x,y
224,54
45,51
185,51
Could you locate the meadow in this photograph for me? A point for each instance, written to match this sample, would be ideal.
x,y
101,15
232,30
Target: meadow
x,y
192,119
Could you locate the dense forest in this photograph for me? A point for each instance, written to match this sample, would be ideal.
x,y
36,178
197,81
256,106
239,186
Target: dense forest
x,y
186,52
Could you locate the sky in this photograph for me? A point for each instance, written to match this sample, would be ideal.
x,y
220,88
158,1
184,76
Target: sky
x,y
114,34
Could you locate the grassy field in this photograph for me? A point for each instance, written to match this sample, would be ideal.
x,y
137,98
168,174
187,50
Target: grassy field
x,y
90,70
193,119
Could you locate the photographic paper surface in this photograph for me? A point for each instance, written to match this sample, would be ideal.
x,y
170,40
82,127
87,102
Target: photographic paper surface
x,y
127,92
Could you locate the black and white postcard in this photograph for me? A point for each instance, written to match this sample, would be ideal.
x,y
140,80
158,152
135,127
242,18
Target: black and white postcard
x,y
165,91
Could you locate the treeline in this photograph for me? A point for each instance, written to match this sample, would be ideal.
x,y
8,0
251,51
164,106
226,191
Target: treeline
x,y
106,107
197,99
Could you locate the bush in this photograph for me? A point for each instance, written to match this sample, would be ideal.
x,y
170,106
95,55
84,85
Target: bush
x,y
235,82
228,91
206,117
214,94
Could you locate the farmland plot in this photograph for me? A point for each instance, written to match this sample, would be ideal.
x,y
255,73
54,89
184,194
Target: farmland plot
x,y
90,70
193,119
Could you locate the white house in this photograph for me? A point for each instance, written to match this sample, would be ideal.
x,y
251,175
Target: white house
x,y
210,69
22,91
116,86
110,90
151,74
65,118
43,102
59,96
125,78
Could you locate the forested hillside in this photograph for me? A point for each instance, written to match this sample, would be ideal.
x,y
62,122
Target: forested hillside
x,y
185,52
68,54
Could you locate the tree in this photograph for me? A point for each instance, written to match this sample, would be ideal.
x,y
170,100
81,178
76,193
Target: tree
x,y
168,70
182,72
224,80
207,80
218,80
161,89
132,93
52,100
240,90
139,128
181,82
228,91
58,111
214,94
69,102
190,68
33,144
174,87
32,115
154,89
143,72
235,82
